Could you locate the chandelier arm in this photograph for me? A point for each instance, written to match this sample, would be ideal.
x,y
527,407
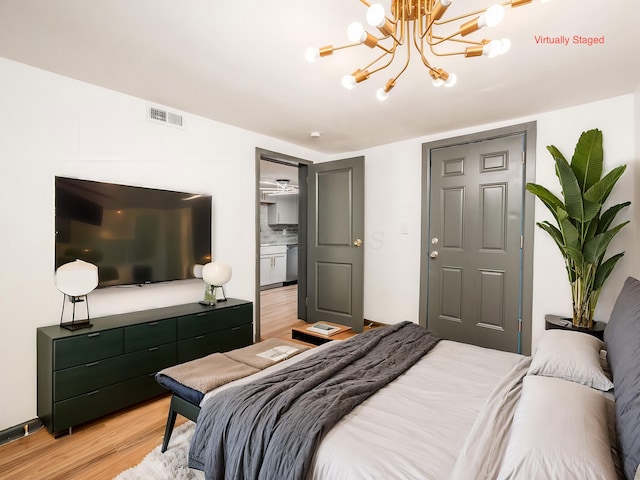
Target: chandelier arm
x,y
463,16
429,19
349,45
392,53
387,50
451,39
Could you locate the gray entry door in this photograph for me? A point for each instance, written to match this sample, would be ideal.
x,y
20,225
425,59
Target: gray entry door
x,y
475,231
335,250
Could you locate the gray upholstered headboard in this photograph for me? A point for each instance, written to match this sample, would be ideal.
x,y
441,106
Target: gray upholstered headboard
x,y
622,341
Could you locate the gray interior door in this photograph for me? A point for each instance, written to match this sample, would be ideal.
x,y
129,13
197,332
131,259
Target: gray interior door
x,y
475,235
335,250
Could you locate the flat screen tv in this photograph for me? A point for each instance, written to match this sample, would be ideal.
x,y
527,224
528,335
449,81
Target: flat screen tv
x,y
135,235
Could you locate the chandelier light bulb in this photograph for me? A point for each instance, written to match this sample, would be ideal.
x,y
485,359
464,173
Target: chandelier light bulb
x,y
348,82
505,45
446,3
492,17
451,81
496,47
375,15
381,94
312,54
437,82
356,33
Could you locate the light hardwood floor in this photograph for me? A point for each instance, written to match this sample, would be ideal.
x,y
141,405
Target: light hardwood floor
x,y
279,312
103,448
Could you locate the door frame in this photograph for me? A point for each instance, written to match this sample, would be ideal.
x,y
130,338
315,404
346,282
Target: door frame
x,y
529,131
302,164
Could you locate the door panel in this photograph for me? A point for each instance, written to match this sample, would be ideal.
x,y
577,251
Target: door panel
x,y
475,229
335,266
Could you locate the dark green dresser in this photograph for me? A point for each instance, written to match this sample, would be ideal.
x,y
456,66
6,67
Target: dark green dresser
x,y
89,373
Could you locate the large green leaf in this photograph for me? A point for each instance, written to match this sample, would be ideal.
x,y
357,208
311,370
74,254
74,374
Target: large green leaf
x,y
607,217
549,199
599,191
570,234
595,248
604,270
554,233
555,153
570,190
588,158
591,210
575,254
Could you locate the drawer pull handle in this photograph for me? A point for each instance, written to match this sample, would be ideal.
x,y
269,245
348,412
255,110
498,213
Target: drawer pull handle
x,y
93,393
202,314
235,328
199,337
153,324
92,335
92,364
153,349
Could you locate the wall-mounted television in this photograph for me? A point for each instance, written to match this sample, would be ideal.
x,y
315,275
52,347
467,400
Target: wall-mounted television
x,y
135,235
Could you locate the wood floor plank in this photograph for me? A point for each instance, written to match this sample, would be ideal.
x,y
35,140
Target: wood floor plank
x,y
104,448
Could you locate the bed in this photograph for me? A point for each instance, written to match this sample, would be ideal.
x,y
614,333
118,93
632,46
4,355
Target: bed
x,y
457,412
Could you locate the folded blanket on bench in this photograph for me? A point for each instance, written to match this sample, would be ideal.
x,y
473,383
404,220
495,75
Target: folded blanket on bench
x,y
206,373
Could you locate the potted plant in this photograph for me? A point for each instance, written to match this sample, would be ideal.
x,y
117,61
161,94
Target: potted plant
x,y
582,230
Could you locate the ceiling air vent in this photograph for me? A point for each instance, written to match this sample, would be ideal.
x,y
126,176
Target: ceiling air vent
x,y
159,115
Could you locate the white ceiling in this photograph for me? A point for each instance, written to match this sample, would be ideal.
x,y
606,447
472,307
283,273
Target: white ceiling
x,y
241,62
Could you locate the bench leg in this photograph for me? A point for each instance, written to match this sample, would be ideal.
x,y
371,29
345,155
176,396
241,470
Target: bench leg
x,y
171,421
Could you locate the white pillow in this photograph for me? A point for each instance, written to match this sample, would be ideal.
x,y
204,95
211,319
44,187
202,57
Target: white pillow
x,y
559,432
573,356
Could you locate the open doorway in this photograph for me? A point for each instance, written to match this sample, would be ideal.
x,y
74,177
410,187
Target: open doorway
x,y
280,243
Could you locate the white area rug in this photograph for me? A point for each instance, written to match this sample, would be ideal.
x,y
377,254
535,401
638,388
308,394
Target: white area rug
x,y
170,465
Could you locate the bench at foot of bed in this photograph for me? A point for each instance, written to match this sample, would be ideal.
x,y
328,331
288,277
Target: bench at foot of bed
x,y
182,407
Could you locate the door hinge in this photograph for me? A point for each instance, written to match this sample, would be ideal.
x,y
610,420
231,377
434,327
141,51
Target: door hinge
x,y
524,157
521,242
306,301
519,325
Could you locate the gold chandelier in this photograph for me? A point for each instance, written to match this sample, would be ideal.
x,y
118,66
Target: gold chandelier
x,y
416,22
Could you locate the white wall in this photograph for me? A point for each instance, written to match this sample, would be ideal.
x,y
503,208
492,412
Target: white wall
x,y
51,125
393,196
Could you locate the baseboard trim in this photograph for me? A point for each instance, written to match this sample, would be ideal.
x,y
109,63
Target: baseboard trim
x,y
20,430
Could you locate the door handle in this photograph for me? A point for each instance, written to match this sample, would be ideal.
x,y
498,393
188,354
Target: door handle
x,y
357,242
434,254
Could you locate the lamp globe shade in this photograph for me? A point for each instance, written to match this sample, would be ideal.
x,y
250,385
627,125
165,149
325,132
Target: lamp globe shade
x,y
77,278
216,274
197,270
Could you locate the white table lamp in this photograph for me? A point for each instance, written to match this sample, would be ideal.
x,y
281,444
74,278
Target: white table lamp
x,y
215,275
75,280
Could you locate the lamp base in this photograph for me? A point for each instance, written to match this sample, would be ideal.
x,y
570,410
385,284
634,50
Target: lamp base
x,y
76,325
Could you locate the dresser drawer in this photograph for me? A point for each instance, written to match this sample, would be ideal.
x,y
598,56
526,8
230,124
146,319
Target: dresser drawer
x,y
81,349
97,403
209,343
214,321
95,375
150,334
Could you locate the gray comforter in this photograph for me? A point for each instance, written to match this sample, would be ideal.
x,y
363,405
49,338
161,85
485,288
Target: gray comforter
x,y
270,428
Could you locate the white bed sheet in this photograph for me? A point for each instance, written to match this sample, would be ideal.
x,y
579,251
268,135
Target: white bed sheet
x,y
415,427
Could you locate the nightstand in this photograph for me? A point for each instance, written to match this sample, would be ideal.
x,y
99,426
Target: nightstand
x,y
556,321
